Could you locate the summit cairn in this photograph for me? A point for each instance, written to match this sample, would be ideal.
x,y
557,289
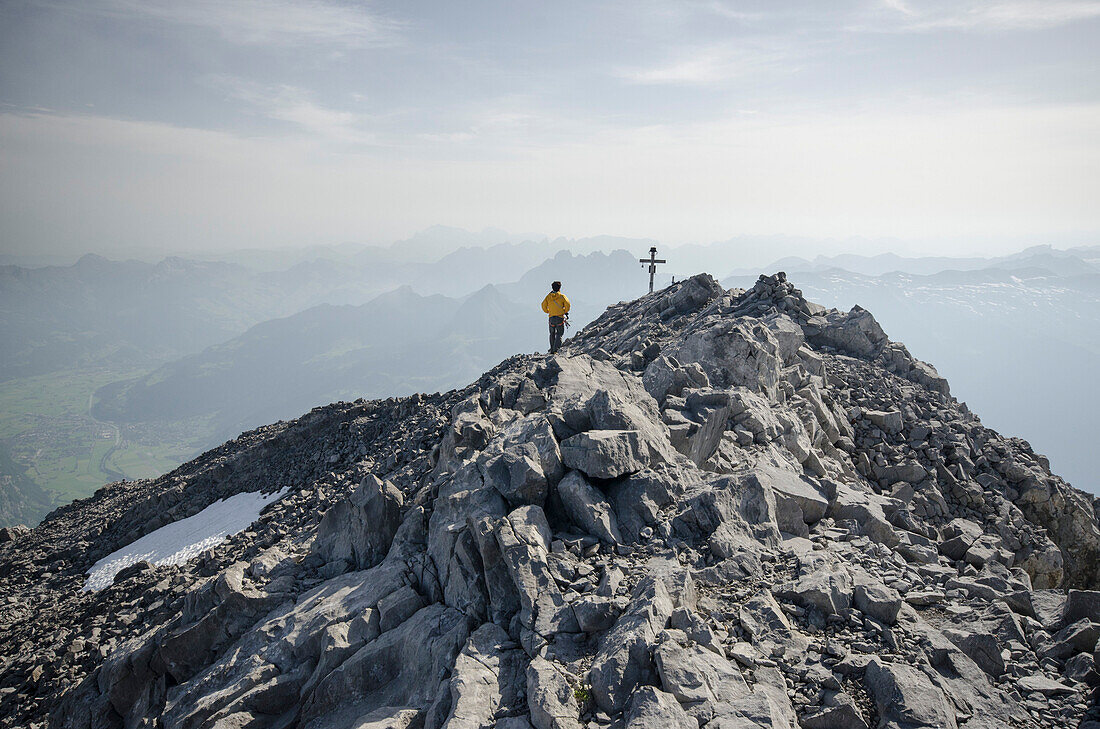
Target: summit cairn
x,y
711,509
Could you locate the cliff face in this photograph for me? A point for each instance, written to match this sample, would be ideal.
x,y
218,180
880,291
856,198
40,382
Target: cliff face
x,y
711,509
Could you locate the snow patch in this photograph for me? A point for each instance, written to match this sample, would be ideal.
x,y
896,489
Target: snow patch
x,y
181,540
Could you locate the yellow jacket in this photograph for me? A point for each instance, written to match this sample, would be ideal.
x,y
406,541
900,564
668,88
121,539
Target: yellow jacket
x,y
556,304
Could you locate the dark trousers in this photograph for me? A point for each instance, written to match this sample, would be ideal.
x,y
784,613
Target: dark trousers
x,y
557,328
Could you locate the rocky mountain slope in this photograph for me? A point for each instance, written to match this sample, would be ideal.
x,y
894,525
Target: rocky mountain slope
x,y
721,509
1019,345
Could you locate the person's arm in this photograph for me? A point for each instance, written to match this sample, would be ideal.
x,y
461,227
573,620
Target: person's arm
x,y
546,304
565,303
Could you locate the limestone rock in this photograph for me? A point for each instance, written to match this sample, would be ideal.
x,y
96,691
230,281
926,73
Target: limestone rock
x,y
625,660
906,697
587,508
877,600
550,698
651,708
488,677
518,474
604,453
359,529
722,509
825,587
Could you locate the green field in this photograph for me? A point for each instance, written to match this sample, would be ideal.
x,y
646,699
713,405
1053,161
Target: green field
x,y
46,425
25,401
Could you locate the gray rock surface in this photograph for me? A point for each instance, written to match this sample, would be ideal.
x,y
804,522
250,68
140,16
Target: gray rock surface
x,y
550,697
587,508
604,453
358,530
651,708
720,509
906,697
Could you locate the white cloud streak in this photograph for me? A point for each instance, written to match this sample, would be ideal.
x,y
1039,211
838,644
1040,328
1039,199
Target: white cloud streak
x,y
263,22
295,106
1011,15
709,65
914,15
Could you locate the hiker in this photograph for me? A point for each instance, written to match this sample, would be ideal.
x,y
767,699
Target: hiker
x,y
556,305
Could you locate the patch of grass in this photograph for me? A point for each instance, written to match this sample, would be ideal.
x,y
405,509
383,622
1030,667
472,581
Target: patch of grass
x,y
583,694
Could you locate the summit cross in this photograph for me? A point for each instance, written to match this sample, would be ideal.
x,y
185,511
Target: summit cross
x,y
653,260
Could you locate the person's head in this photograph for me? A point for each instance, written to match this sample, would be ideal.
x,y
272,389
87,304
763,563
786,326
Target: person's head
x,y
556,286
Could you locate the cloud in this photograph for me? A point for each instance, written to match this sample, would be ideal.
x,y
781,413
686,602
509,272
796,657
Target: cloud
x,y
913,172
915,15
295,106
732,13
710,65
899,6
978,16
266,22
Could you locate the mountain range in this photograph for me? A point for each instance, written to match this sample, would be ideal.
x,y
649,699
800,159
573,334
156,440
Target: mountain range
x,y
131,368
396,344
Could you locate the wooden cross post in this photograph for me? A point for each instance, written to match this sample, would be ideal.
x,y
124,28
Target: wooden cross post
x,y
653,260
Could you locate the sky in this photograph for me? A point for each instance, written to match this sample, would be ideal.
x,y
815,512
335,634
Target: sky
x,y
216,124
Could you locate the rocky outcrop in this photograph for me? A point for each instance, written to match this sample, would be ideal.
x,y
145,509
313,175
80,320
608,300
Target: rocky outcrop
x,y
358,530
711,509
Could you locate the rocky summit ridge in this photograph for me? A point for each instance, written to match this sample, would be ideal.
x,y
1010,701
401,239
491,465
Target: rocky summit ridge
x,y
720,509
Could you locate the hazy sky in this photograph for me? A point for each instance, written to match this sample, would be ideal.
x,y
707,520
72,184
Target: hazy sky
x,y
202,124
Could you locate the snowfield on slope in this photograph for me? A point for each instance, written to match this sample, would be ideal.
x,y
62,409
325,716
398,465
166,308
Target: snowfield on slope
x,y
181,540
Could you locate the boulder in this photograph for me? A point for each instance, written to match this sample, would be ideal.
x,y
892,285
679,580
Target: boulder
x,y
398,607
650,708
734,353
826,587
1078,637
838,712
624,660
595,614
665,376
401,667
12,533
462,499
877,600
768,627
788,334
982,648
906,697
359,528
604,453
1039,683
730,514
587,508
550,698
524,542
855,333
518,475
867,510
798,500
889,421
1082,604
959,535
504,600
488,679
696,676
